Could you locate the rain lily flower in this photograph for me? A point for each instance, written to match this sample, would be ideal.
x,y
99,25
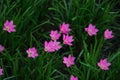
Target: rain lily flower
x,y
52,46
73,78
9,26
32,52
1,48
56,45
48,46
64,28
104,64
69,61
54,35
67,39
1,71
91,30
108,34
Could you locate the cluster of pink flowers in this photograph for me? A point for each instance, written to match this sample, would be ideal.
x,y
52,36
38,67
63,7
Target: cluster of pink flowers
x,y
9,27
91,30
67,40
69,61
54,45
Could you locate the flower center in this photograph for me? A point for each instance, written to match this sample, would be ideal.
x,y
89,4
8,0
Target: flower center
x,y
69,62
7,28
102,66
31,52
90,31
53,37
46,49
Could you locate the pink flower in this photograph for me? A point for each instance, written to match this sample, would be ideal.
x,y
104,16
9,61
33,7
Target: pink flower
x,y
9,26
48,46
64,28
56,45
1,71
68,61
54,35
108,34
104,64
91,30
52,46
73,78
32,52
1,48
67,39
